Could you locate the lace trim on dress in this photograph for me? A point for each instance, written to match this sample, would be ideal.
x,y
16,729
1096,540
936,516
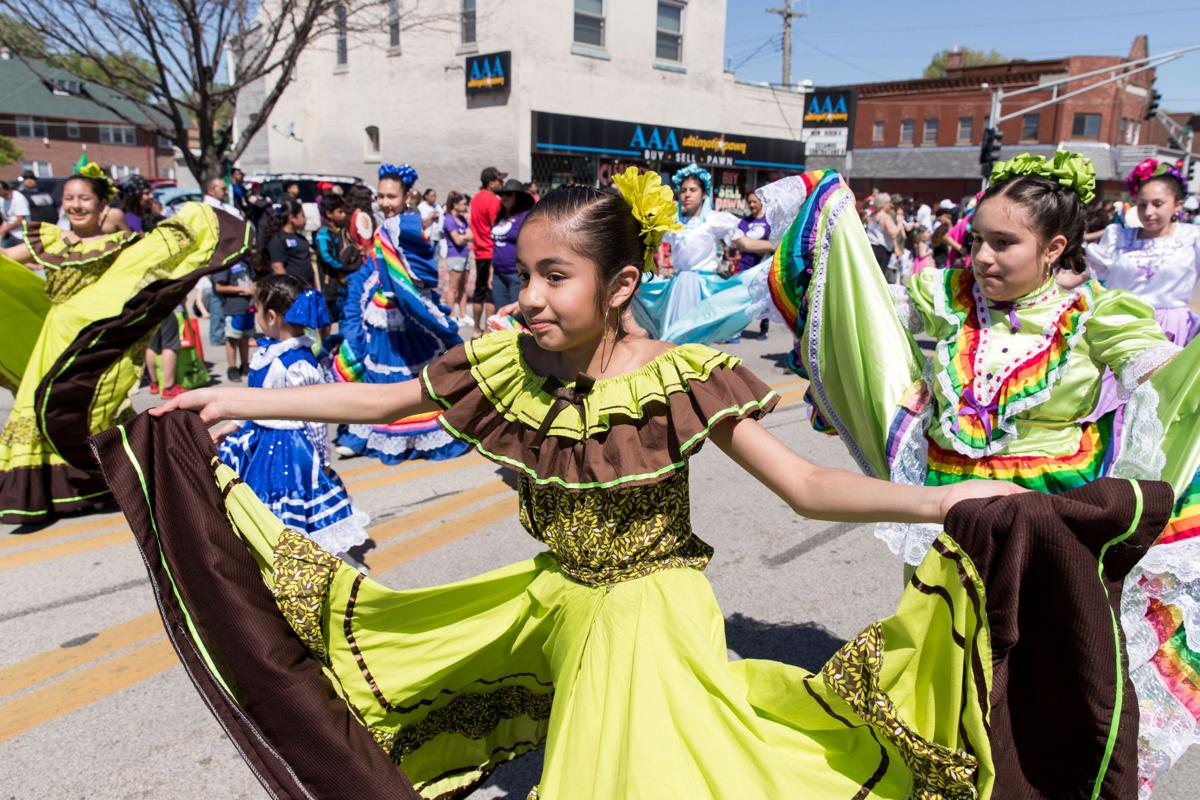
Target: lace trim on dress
x,y
343,534
1142,457
906,312
1143,364
759,289
781,201
909,466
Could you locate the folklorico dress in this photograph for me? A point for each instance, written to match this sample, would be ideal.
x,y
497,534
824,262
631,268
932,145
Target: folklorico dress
x,y
662,303
609,647
1003,398
286,462
1161,271
391,329
73,361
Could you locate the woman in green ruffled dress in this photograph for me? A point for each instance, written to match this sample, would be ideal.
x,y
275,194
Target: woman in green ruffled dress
x,y
73,340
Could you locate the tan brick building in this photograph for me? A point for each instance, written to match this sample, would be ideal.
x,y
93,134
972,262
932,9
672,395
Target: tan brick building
x,y
53,121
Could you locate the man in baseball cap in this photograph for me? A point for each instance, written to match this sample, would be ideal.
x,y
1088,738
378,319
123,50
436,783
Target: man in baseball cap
x,y
491,175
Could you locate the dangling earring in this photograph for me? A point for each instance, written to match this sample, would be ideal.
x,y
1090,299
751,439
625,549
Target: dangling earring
x,y
603,361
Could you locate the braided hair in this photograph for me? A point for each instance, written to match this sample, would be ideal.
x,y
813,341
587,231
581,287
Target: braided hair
x,y
1053,209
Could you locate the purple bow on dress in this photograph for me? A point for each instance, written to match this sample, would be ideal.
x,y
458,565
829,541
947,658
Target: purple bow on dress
x,y
974,407
1011,308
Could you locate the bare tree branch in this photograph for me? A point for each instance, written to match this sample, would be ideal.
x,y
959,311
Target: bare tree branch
x,y
161,65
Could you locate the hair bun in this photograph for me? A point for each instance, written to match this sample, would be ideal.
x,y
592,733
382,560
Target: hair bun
x,y
1071,170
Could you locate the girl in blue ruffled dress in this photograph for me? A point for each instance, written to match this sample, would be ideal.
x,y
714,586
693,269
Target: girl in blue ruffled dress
x,y
286,462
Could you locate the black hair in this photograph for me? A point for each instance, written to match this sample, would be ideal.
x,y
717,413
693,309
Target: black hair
x,y
699,183
453,199
277,292
269,228
597,223
101,187
425,192
1172,182
1053,209
332,202
359,197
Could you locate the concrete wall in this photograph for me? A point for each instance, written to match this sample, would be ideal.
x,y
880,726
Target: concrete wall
x,y
416,95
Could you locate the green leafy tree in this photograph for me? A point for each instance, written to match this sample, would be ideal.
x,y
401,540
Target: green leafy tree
x,y
9,152
971,58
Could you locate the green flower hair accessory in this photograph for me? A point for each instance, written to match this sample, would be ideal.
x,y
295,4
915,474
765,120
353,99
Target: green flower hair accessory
x,y
653,206
95,173
1068,169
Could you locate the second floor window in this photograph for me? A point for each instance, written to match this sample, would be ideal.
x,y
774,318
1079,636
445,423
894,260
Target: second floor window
x,y
393,24
669,42
468,21
929,135
877,131
589,22
1029,127
907,129
117,134
966,128
339,25
1087,126
72,129
31,128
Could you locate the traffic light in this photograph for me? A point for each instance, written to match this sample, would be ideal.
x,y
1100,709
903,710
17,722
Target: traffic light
x,y
1152,109
989,153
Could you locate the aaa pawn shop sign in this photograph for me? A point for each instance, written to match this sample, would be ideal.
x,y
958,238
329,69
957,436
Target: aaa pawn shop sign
x,y
490,72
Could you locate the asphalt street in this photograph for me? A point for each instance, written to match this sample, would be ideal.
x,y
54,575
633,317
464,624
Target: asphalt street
x,y
93,703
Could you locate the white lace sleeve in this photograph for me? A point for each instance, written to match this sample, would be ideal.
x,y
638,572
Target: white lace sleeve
x,y
305,373
1102,254
759,289
781,202
1136,369
906,312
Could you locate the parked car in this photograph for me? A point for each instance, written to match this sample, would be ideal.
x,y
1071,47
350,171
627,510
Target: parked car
x,y
172,197
273,185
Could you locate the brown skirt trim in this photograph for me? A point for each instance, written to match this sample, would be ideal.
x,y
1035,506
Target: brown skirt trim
x,y
65,395
259,680
40,494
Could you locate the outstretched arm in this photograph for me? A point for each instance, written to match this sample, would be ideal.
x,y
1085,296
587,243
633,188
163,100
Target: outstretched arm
x,y
835,494
328,402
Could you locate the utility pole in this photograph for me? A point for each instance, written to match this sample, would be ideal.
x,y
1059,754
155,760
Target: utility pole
x,y
788,15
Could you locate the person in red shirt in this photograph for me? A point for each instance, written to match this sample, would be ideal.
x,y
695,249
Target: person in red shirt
x,y
485,207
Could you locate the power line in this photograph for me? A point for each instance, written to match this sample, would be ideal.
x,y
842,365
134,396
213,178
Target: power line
x,y
1001,23
772,40
843,61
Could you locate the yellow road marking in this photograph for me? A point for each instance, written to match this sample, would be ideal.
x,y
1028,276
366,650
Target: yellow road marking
x,y
84,688
115,674
794,380
417,468
443,534
435,468
47,665
58,531
63,550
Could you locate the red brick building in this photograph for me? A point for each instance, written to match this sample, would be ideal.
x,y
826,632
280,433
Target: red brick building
x,y
53,121
922,137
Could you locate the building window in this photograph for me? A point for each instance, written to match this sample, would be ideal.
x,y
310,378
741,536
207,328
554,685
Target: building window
x,y
1131,131
72,129
394,24
1087,126
67,87
669,43
40,169
31,128
1029,127
117,134
164,143
123,170
589,22
907,128
468,21
877,131
372,141
929,134
966,129
339,27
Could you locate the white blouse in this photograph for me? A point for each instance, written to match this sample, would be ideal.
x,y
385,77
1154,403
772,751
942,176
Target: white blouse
x,y
695,247
1161,271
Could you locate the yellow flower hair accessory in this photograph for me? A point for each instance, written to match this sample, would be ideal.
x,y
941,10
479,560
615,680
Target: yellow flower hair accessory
x,y
653,206
92,170
1067,169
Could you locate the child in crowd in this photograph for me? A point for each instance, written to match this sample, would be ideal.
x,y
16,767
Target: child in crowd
x,y
286,249
923,251
329,248
236,288
286,463
457,227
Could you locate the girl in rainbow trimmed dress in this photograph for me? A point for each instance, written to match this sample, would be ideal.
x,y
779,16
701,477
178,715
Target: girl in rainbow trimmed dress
x,y
286,463
392,327
1017,367
609,647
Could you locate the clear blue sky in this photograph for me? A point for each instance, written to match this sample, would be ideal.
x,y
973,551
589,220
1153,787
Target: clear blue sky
x,y
860,41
